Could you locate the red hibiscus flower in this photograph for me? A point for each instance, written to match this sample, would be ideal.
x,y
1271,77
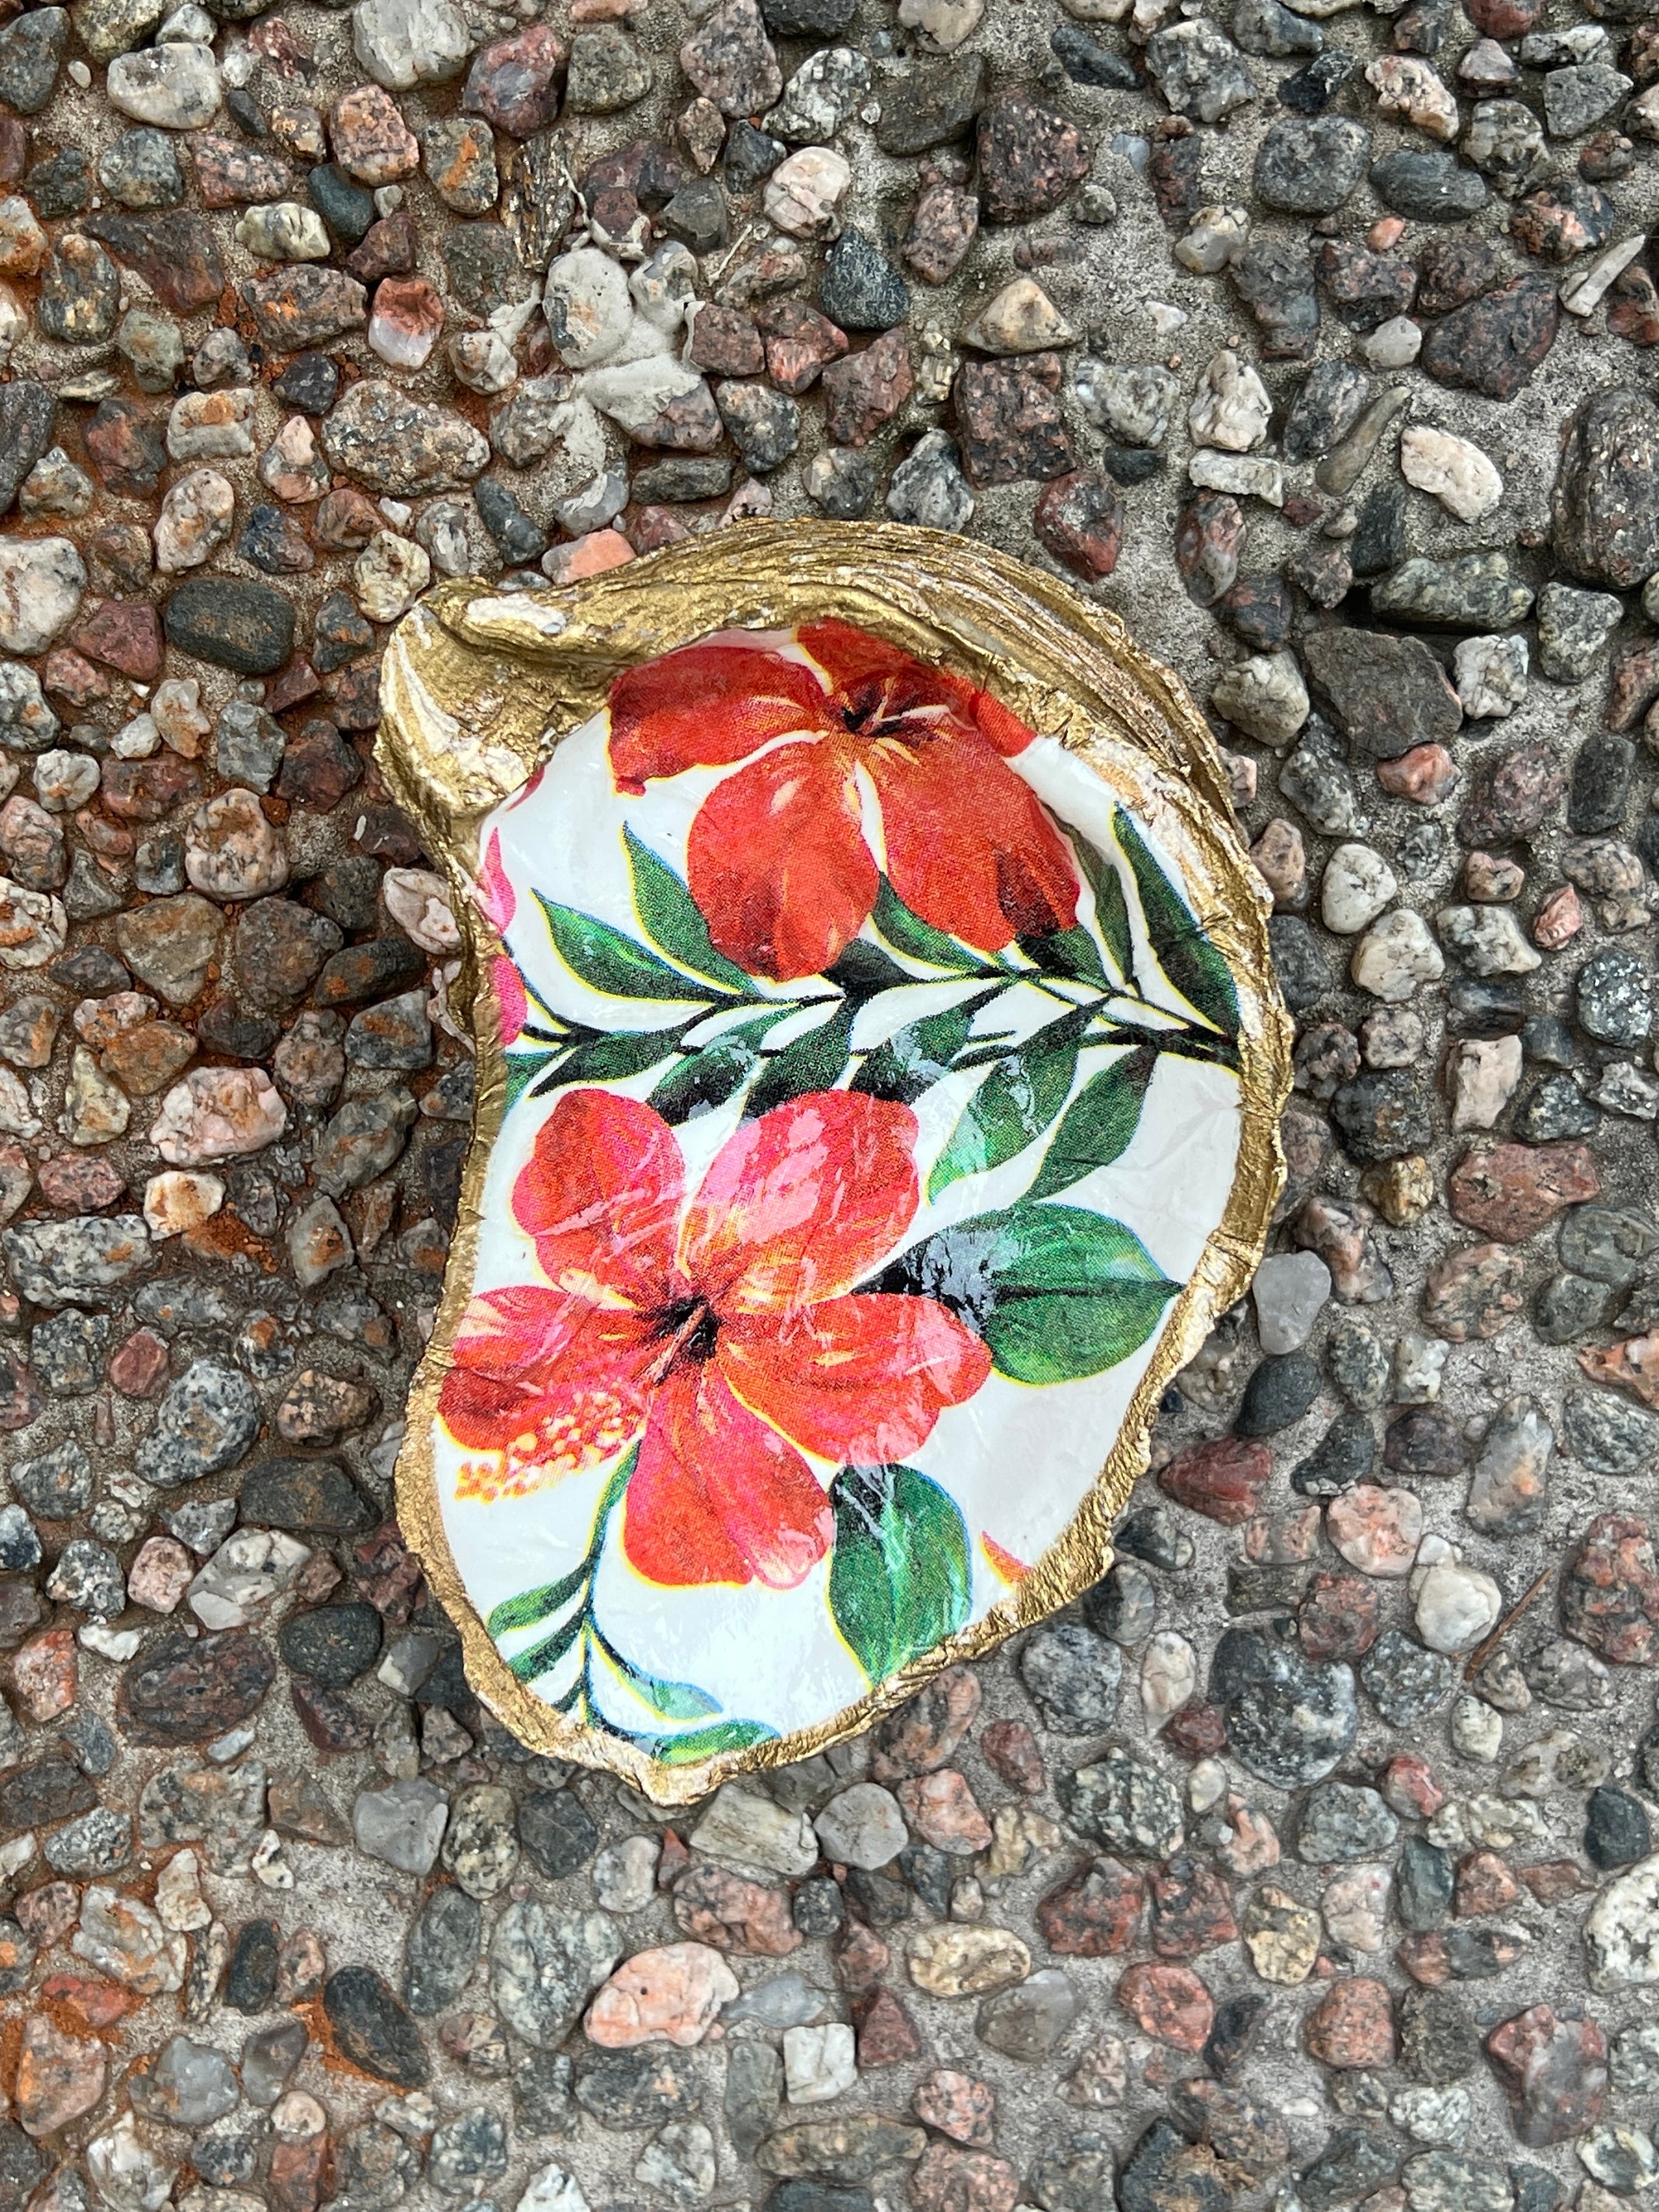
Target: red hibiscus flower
x,y
721,1333
777,859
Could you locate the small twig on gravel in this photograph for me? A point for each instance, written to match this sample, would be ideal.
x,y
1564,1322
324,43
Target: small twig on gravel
x,y
1482,1652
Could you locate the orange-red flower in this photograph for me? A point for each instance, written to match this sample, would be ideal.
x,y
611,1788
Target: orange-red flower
x,y
777,859
723,1335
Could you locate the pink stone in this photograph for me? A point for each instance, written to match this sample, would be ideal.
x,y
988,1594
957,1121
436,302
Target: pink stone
x,y
667,1995
216,1113
58,2077
957,2106
1169,2003
1424,775
158,1576
1409,1787
46,1674
1376,1530
586,557
1558,920
371,141
406,321
1353,2024
943,1810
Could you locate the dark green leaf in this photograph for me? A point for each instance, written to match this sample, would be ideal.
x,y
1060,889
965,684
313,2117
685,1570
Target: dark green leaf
x,y
607,961
1111,909
1067,952
1056,1291
672,921
1098,1125
522,1069
610,1059
864,970
715,1073
908,933
898,1576
1016,1102
707,1743
524,1611
542,1658
915,1057
811,1062
1185,954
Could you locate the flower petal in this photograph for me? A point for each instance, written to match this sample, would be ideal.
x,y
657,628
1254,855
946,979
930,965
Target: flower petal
x,y
707,706
544,1384
601,1197
861,1379
798,1205
510,998
777,862
494,890
718,1497
858,667
970,847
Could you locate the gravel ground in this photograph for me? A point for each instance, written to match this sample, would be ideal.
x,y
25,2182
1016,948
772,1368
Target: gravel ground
x,y
1310,1863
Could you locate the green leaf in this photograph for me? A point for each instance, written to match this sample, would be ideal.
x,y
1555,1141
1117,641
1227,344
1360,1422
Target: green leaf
x,y
899,1577
672,921
1023,1091
708,1078
535,1605
1111,908
864,970
675,1701
1056,1291
1071,952
812,1062
707,1743
610,1059
1185,954
1098,1124
542,1658
908,933
522,1069
914,1058
607,961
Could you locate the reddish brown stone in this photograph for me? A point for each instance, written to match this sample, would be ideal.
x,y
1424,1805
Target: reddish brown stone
x,y
1079,517
1353,2024
176,255
949,2180
1553,2071
924,1734
1512,794
1634,307
1169,2003
1339,1617
1436,1957
387,248
77,1183
725,341
387,1573
1408,1784
886,2036
1095,1913
1484,1885
944,224
125,444
138,1365
1552,1881
1511,1191
1030,157
185,1690
1503,19
515,81
1222,1478
1634,687
326,1718
145,790
1192,1911
1011,1750
733,1914
1610,1599
1197,1731
861,1958
867,389
800,344
1009,417
296,2170
229,172
127,638
346,520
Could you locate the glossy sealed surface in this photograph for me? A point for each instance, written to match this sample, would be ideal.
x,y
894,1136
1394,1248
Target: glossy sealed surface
x,y
870,1076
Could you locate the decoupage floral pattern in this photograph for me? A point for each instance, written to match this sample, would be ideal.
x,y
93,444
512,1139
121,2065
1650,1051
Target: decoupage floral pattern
x,y
819,1245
